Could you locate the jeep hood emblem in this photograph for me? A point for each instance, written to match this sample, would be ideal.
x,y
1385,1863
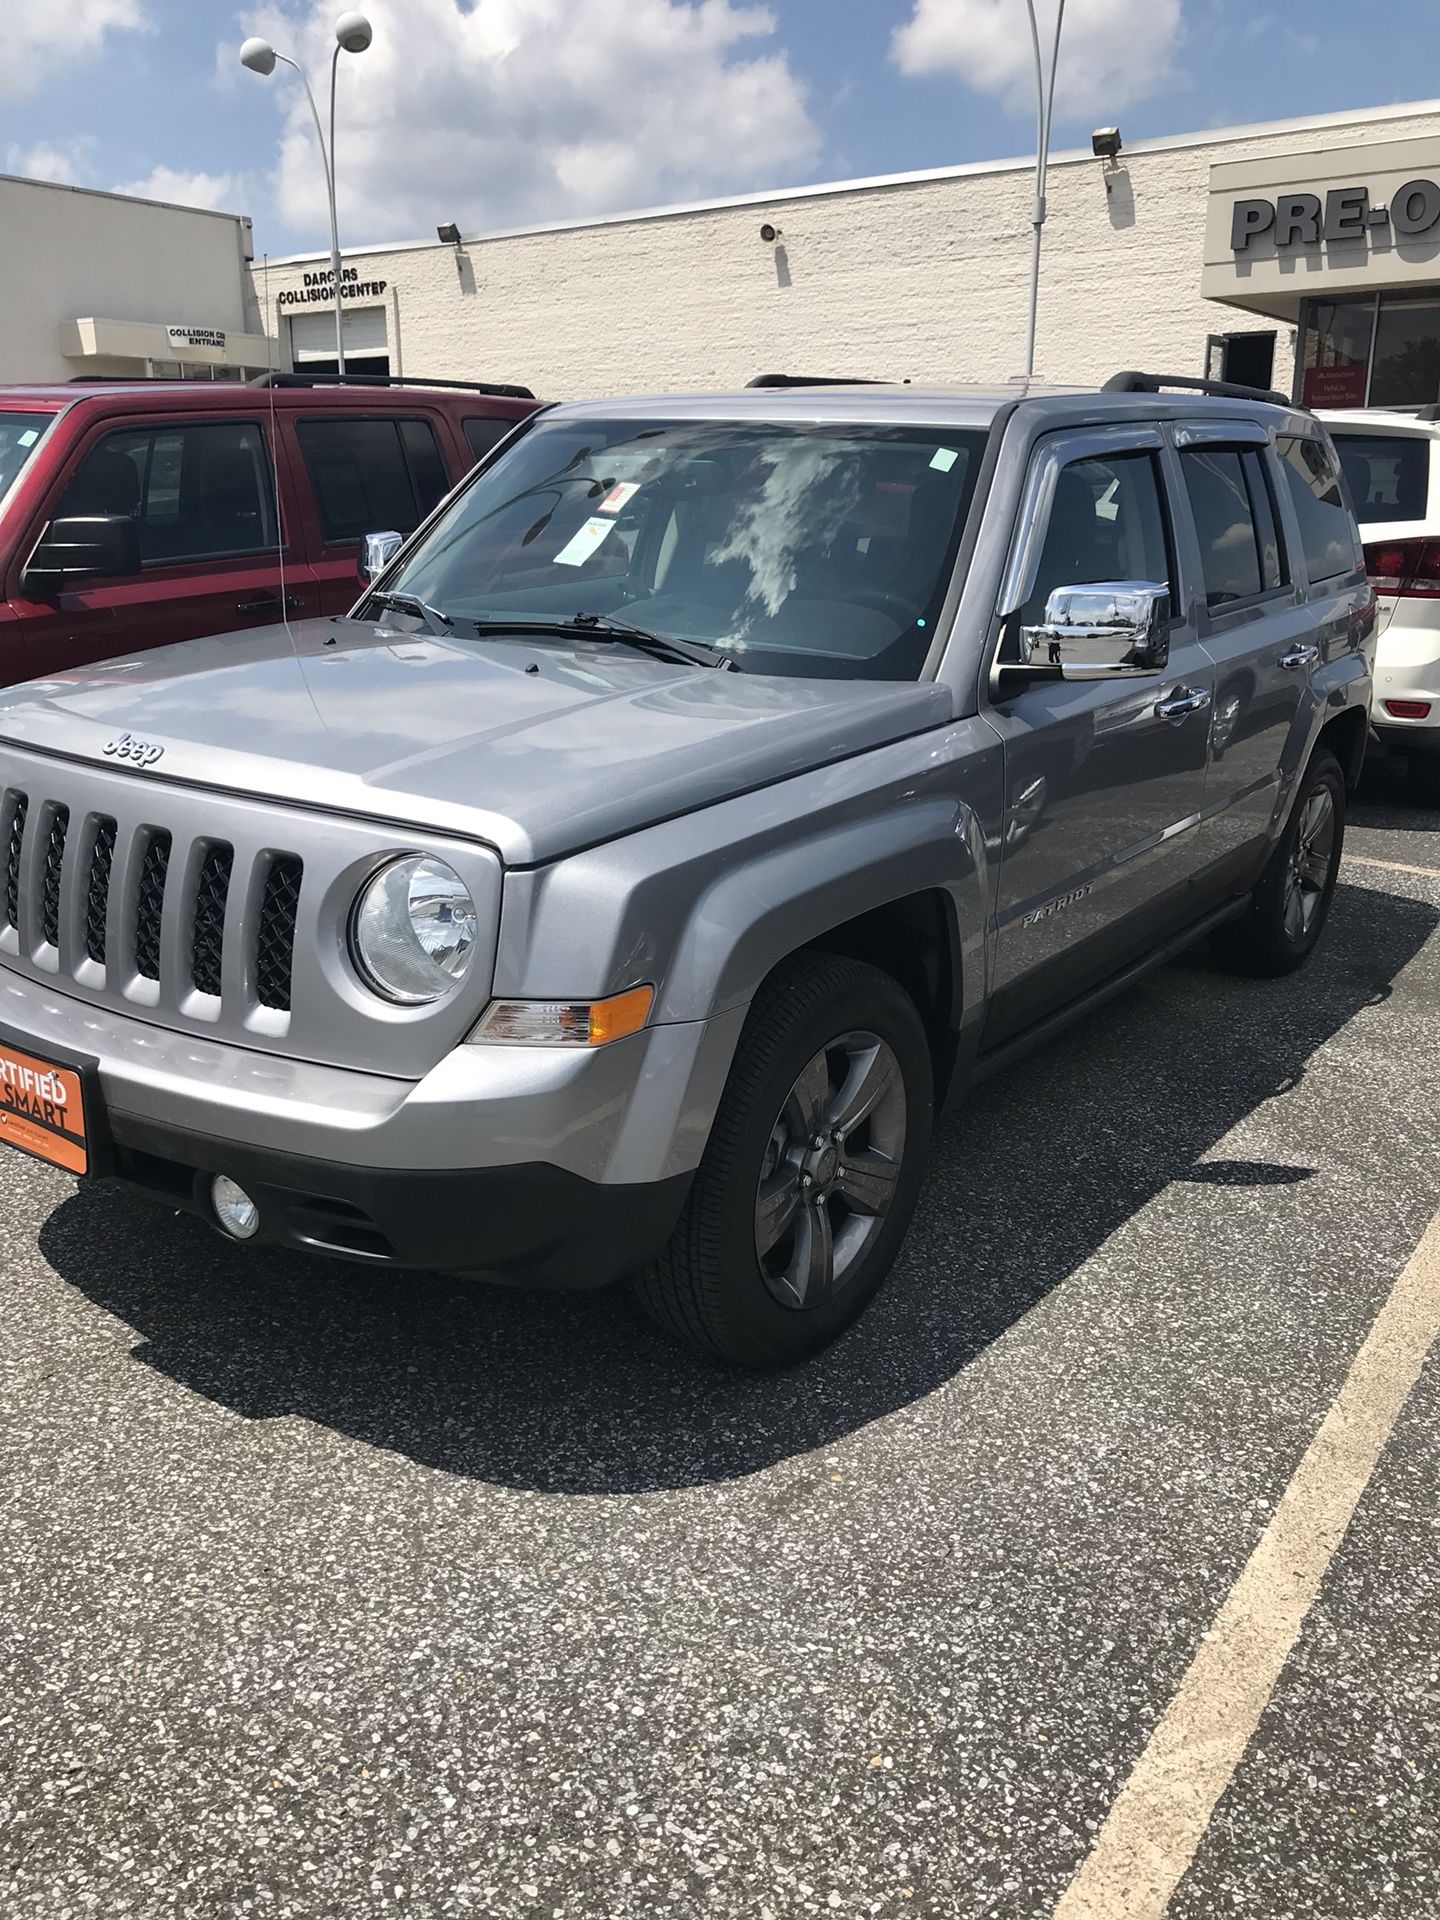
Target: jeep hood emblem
x,y
143,753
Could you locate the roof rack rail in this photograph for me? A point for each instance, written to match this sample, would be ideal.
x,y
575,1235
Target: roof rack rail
x,y
1221,389
1430,413
815,380
500,390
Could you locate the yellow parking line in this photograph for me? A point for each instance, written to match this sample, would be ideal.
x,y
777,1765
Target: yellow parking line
x,y
1160,1817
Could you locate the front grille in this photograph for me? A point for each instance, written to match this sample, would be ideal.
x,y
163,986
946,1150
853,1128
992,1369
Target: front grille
x,y
17,806
97,891
207,944
275,954
149,905
54,866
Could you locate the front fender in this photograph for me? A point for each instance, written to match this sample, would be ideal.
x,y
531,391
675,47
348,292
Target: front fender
x,y
705,906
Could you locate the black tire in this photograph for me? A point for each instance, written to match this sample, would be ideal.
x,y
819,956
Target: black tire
x,y
712,1288
1266,942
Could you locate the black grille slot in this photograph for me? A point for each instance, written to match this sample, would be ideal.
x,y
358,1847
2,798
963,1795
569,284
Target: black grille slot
x,y
54,867
16,809
208,943
149,902
276,947
97,891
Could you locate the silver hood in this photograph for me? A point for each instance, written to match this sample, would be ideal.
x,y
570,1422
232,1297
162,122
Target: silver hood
x,y
534,748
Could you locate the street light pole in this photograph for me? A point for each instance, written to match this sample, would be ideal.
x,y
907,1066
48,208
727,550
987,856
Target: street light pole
x,y
352,35
1044,105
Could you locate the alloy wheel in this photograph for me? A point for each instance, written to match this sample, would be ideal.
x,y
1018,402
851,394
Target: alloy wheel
x,y
830,1170
1308,875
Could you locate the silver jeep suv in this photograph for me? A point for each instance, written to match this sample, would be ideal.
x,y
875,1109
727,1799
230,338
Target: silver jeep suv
x,y
713,788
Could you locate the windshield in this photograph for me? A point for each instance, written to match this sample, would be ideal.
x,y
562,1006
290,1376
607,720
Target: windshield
x,y
822,551
19,436
1389,474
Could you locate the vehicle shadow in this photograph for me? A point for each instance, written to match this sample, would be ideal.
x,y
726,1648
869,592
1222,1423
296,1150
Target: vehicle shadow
x,y
577,1394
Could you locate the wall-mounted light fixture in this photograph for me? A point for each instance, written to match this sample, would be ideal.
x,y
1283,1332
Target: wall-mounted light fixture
x,y
770,235
449,234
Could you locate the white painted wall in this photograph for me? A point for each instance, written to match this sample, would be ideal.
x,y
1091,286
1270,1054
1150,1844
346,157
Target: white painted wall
x,y
919,276
68,254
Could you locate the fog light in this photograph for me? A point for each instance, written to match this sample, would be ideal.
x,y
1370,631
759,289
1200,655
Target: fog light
x,y
234,1209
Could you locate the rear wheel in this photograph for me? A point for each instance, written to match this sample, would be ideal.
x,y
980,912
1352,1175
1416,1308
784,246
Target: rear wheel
x,y
812,1171
1292,900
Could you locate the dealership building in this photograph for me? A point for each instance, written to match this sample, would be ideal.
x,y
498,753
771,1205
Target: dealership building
x,y
1303,254
107,285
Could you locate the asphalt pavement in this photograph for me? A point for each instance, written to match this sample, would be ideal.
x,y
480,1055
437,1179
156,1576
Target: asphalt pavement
x,y
326,1594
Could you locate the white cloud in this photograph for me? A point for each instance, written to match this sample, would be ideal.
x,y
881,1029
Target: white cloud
x,y
528,110
1111,51
41,35
68,163
222,192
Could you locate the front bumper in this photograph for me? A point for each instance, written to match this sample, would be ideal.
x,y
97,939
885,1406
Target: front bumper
x,y
555,1165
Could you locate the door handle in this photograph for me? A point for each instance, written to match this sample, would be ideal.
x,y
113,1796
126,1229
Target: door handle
x,y
292,603
1183,701
1299,656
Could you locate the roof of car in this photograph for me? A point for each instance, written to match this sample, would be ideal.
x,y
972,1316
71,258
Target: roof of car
x,y
932,406
1373,418
162,395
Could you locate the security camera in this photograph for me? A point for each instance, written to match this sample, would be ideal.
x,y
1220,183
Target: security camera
x,y
1105,143
449,233
769,234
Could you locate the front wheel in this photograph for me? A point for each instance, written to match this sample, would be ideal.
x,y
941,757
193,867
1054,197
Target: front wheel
x,y
812,1171
1292,900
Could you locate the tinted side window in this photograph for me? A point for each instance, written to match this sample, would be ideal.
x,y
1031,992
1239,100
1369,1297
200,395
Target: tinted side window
x,y
194,492
1327,533
1224,524
482,435
1106,523
371,476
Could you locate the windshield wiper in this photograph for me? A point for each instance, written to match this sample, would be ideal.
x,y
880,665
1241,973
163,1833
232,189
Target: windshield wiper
x,y
664,646
435,621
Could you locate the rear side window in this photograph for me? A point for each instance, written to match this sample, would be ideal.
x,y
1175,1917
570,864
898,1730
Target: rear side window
x,y
1327,533
372,476
482,435
1233,558
194,492
1388,474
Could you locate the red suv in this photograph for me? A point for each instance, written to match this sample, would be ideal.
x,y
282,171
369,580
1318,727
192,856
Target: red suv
x,y
132,516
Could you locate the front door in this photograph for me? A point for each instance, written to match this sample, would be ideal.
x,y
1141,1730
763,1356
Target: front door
x,y
1104,779
202,495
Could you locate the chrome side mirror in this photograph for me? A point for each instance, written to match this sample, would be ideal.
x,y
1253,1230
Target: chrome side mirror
x,y
1101,632
377,550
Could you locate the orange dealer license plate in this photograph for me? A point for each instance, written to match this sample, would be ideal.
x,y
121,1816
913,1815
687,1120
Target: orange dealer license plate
x,y
42,1108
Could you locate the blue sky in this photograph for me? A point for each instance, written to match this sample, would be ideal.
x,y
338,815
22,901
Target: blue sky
x,y
497,112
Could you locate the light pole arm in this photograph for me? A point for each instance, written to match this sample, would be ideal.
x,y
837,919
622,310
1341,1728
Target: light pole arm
x,y
326,161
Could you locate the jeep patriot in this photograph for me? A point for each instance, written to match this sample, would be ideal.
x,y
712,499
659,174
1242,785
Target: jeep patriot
x,y
712,789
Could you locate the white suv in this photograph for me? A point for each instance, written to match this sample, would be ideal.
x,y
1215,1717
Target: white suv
x,y
1392,462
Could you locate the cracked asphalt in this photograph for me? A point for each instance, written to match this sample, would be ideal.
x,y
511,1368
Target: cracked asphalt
x,y
328,1594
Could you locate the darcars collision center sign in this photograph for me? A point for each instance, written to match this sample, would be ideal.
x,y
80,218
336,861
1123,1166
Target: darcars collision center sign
x,y
1301,220
321,286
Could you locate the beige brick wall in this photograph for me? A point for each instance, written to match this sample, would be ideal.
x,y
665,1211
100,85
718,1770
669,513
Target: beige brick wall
x,y
926,279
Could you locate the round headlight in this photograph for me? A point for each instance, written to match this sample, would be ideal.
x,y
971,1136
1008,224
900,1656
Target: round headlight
x,y
414,931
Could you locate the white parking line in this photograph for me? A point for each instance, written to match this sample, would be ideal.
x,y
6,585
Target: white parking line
x,y
1160,1817
1390,866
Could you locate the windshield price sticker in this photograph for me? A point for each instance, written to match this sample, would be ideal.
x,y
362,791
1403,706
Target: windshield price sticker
x,y
943,459
619,496
578,550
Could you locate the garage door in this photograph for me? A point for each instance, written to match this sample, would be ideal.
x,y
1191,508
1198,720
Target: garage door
x,y
312,335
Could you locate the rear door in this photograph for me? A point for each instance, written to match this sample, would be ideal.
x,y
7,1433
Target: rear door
x,y
202,494
1254,625
1104,779
370,473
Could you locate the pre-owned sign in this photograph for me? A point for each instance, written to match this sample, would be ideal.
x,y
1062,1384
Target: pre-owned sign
x,y
1299,219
